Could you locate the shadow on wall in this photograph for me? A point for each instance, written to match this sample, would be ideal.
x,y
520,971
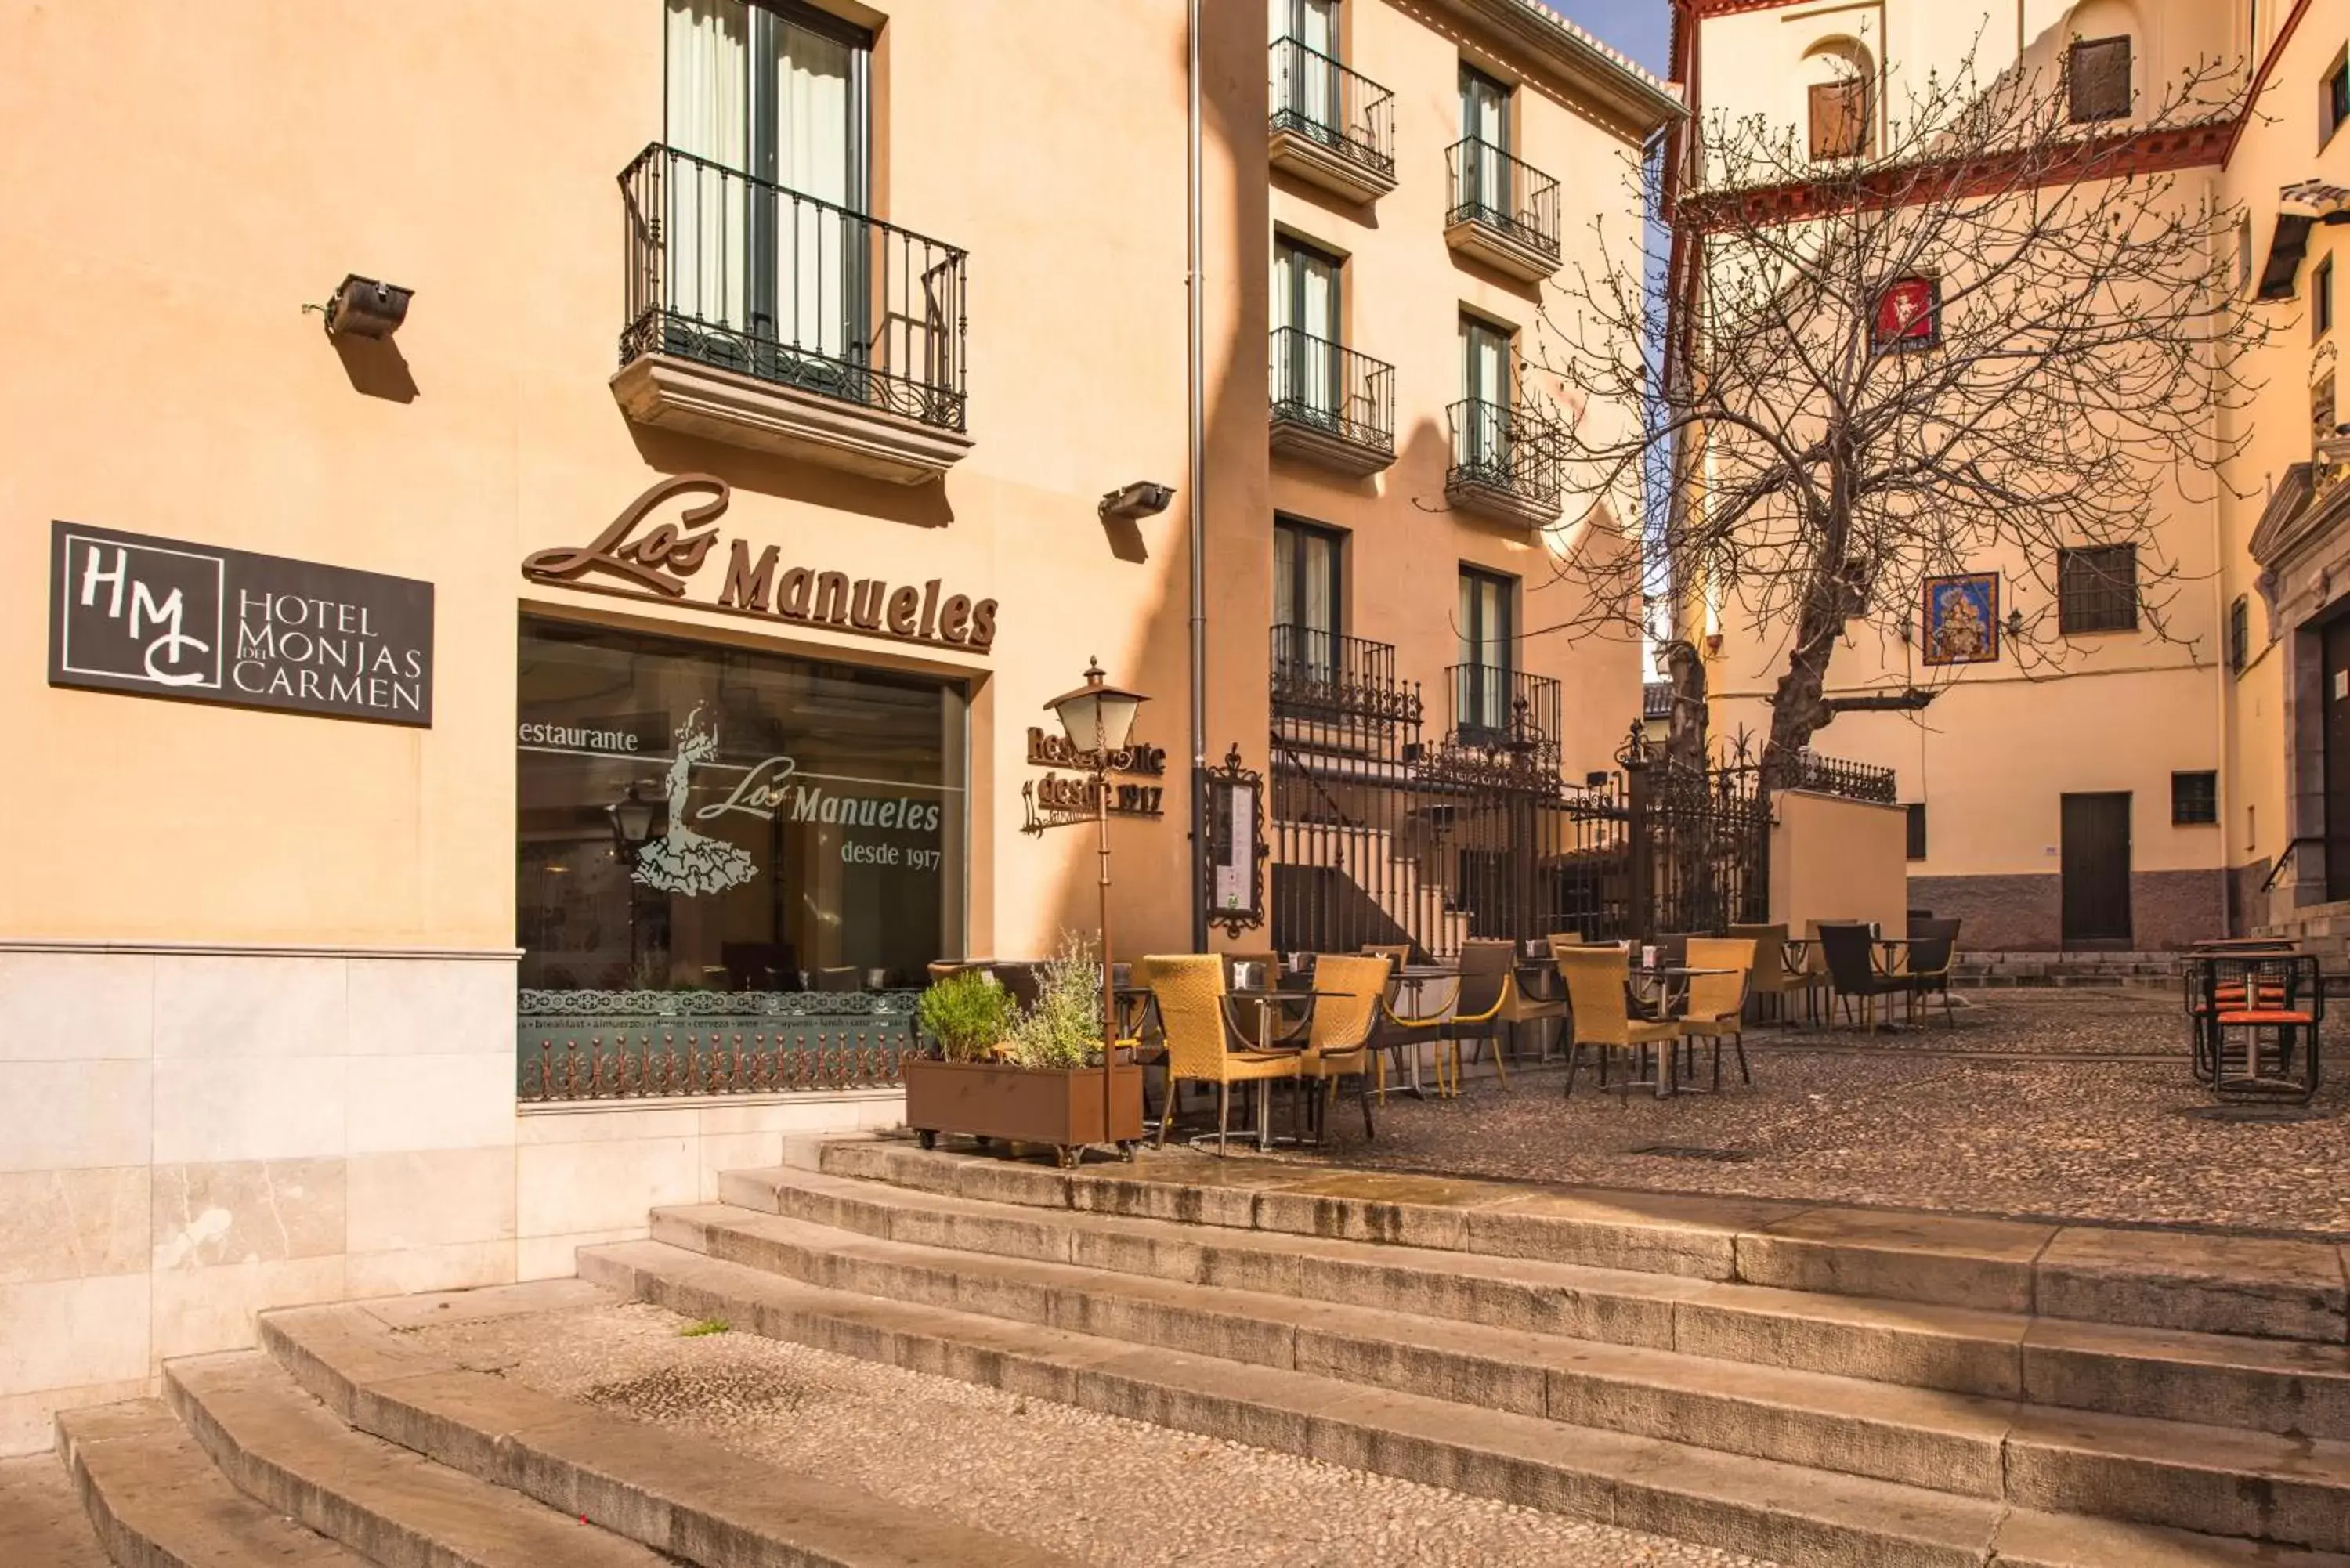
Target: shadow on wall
x,y
916,506
377,368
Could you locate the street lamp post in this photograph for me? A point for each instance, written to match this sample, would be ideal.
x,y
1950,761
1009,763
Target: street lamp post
x,y
1098,718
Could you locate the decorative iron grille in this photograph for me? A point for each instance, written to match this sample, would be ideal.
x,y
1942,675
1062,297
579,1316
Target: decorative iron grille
x,y
1513,199
1317,98
633,1044
1332,389
750,276
1502,447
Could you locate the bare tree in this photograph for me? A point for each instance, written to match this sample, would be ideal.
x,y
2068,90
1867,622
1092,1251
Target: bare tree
x,y
1996,335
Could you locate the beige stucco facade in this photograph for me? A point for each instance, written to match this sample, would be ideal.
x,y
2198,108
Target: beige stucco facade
x,y
2115,714
258,969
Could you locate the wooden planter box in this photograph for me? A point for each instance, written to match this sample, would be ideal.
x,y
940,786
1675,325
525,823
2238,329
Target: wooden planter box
x,y
1022,1104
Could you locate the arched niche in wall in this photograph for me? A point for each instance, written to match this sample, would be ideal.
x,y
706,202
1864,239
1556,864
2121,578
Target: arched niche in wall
x,y
1840,98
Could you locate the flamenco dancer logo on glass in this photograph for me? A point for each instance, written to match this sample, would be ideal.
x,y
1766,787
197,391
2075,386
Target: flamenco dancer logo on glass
x,y
683,861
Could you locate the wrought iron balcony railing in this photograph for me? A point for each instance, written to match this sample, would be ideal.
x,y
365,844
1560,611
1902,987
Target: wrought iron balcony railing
x,y
747,276
1501,449
1513,199
1321,677
1317,98
1333,389
1495,707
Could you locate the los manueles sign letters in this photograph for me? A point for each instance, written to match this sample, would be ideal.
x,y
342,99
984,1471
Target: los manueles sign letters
x,y
164,617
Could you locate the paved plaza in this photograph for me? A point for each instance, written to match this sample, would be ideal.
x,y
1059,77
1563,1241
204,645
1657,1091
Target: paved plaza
x,y
2070,1104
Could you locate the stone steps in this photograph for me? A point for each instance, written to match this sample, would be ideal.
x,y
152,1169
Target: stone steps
x,y
158,1501
1794,1514
2219,1379
2254,1287
698,1503
41,1517
393,1507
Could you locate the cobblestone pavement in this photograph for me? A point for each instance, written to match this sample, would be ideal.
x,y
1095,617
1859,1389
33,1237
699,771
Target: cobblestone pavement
x,y
1099,1488
1930,1117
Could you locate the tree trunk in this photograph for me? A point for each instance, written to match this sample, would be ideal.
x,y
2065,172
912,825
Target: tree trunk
x,y
1799,706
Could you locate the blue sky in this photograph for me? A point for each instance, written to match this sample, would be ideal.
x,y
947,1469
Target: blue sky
x,y
1642,28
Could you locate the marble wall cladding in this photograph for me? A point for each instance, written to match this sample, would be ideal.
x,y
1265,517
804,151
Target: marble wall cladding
x,y
247,1212
210,1135
206,1135
73,1224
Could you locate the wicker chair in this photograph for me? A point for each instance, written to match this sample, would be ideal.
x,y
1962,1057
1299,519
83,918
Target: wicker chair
x,y
1189,990
1717,1002
1773,977
1393,1033
1352,990
1488,982
1595,979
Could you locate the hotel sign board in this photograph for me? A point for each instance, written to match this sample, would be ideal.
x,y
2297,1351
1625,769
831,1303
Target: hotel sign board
x,y
163,618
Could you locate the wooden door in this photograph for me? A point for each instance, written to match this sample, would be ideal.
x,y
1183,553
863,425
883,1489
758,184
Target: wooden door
x,y
2336,708
2096,869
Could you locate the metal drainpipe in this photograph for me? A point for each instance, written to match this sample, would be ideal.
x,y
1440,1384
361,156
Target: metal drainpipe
x,y
1194,358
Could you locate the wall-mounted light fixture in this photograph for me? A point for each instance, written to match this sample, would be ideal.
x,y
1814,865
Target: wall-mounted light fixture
x,y
1141,499
362,307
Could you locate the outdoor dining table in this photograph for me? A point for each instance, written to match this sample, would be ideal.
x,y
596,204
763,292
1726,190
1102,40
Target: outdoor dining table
x,y
1414,978
1267,1000
1664,1003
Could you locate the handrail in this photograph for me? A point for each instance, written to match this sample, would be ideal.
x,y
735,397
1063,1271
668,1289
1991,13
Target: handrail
x,y
1503,192
1315,97
2285,856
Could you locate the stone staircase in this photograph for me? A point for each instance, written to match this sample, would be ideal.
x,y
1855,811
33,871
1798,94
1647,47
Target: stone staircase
x,y
2320,929
1877,1389
341,1444
1855,1388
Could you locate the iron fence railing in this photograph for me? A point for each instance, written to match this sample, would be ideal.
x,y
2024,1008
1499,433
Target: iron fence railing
x,y
1502,447
1317,98
1512,198
1497,708
1834,776
1332,389
752,277
641,1045
1320,675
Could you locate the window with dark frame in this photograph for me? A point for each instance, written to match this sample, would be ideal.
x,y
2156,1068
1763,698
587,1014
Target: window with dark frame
x,y
1917,810
2333,99
2240,634
2321,299
1308,597
2097,76
1839,118
2194,799
2096,589
1488,650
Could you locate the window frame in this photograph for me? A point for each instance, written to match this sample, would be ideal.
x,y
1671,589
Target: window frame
x,y
2321,299
1914,831
2240,634
1475,717
1855,87
2333,99
1300,534
2073,78
2075,618
2201,798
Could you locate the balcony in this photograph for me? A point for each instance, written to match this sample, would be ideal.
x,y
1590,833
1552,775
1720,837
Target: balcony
x,y
1503,213
1331,128
1331,406
1332,688
767,319
1506,463
1497,709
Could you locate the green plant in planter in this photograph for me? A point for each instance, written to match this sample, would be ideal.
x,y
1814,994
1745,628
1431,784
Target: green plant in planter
x,y
968,1014
1064,1029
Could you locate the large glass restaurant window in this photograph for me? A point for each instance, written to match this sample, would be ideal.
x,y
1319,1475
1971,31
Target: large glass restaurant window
x,y
709,834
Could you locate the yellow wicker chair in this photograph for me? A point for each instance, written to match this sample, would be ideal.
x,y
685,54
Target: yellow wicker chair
x,y
1488,983
1717,1002
1189,990
1352,991
1595,978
